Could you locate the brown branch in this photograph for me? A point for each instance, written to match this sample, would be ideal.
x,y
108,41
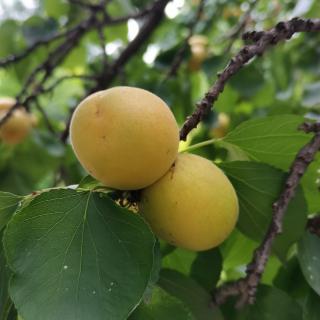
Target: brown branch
x,y
246,288
282,31
107,75
177,60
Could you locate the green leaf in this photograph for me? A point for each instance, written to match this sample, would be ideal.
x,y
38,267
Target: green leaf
x,y
80,251
191,293
5,301
283,280
273,140
163,306
249,81
227,100
311,186
37,28
273,304
8,205
311,308
9,36
154,277
180,260
258,186
88,182
206,268
309,258
55,8
237,250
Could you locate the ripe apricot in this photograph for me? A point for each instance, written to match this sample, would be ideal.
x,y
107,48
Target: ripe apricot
x,y
125,137
193,206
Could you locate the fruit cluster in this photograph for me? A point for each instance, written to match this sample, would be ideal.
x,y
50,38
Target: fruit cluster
x,y
128,139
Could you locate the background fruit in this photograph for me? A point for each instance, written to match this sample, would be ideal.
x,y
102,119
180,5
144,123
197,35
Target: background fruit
x,y
199,51
125,137
221,126
193,206
18,126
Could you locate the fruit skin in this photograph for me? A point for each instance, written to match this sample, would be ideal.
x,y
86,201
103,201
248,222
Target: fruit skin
x,y
193,206
125,137
18,126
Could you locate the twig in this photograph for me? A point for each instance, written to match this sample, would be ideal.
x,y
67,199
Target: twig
x,y
246,288
177,60
263,40
65,78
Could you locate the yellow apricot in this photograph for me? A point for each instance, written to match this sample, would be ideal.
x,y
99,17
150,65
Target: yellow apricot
x,y
18,126
125,137
194,206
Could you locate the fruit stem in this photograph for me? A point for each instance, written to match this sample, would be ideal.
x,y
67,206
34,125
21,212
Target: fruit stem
x,y
199,145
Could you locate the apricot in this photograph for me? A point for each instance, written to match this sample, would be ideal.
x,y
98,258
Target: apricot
x,y
194,206
18,126
125,137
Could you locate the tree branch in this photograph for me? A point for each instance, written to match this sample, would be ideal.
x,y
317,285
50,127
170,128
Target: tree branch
x,y
246,288
262,41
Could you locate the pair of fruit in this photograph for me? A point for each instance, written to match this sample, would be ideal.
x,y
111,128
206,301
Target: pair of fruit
x,y
128,139
18,126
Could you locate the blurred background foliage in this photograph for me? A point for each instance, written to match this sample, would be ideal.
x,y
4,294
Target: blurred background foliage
x,y
286,80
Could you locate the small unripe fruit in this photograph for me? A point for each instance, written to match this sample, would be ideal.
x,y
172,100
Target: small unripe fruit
x,y
18,126
125,137
193,206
